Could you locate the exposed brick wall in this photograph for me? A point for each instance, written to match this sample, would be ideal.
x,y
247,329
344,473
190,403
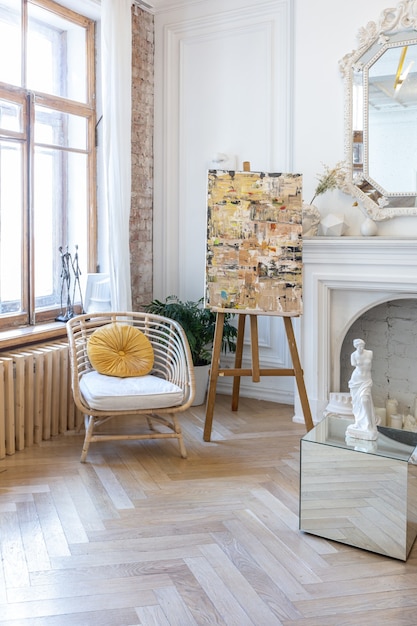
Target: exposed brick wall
x,y
141,219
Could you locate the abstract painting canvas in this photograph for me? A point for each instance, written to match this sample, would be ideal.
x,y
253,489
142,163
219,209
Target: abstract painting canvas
x,y
254,242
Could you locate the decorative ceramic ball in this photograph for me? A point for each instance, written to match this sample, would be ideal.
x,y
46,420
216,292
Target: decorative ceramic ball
x,y
333,225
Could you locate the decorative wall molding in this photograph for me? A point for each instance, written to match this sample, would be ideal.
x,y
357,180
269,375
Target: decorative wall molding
x,y
257,35
175,41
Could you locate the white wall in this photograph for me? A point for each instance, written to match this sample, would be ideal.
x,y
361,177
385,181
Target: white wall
x,y
222,84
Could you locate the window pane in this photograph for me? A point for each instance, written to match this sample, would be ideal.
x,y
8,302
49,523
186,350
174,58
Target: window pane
x,y
10,42
56,59
46,172
11,198
46,160
56,128
60,220
11,116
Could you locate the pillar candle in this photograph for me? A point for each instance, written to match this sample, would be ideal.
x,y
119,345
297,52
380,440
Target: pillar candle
x,y
396,421
391,406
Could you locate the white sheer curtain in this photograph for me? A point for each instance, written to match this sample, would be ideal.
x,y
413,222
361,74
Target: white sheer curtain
x,y
116,63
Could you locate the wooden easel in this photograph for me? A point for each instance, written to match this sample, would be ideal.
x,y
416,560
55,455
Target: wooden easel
x,y
255,371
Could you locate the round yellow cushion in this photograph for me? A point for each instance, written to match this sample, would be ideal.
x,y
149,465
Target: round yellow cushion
x,y
120,350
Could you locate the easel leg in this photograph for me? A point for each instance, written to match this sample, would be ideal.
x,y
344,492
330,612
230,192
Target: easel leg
x,y
214,373
255,371
298,372
254,340
238,360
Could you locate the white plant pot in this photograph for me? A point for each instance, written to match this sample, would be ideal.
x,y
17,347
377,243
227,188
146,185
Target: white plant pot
x,y
201,373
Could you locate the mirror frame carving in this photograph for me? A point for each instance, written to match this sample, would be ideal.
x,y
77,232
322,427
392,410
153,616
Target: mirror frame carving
x,y
392,22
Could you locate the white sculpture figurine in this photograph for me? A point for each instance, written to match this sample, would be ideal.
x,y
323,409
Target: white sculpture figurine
x,y
360,386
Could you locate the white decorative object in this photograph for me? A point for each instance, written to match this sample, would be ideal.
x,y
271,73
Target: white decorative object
x,y
410,423
311,220
340,402
369,228
362,445
381,415
97,297
334,225
360,386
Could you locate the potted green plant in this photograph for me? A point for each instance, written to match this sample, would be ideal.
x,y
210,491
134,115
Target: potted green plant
x,y
199,324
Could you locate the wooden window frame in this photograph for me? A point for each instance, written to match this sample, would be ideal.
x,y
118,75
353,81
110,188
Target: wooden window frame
x,y
27,317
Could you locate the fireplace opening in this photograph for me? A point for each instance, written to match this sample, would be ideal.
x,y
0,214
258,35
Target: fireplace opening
x,y
390,331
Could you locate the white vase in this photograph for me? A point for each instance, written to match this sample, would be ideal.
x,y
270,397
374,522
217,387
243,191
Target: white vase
x,y
369,228
311,220
201,373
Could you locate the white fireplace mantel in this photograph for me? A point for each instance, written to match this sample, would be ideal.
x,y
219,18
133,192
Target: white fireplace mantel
x,y
343,278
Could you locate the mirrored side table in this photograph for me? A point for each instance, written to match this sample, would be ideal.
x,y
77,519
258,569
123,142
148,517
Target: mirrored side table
x,y
361,493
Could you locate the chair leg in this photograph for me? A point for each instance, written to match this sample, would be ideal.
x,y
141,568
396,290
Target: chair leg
x,y
82,423
172,424
183,450
87,438
178,431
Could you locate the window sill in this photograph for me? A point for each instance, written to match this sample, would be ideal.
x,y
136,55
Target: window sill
x,y
18,337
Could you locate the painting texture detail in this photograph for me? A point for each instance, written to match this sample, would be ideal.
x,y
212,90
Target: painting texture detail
x,y
254,242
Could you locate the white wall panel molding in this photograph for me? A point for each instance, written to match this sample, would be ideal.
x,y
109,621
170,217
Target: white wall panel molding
x,y
223,83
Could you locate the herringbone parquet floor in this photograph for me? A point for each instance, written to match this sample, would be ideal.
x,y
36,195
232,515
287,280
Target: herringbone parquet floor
x,y
139,536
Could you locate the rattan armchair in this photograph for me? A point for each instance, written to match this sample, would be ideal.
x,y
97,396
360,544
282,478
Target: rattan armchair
x,y
155,399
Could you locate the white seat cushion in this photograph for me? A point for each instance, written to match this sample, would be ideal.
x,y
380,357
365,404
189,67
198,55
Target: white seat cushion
x,y
108,393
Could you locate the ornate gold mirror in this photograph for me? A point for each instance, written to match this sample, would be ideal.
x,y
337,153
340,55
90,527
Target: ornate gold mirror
x,y
381,114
